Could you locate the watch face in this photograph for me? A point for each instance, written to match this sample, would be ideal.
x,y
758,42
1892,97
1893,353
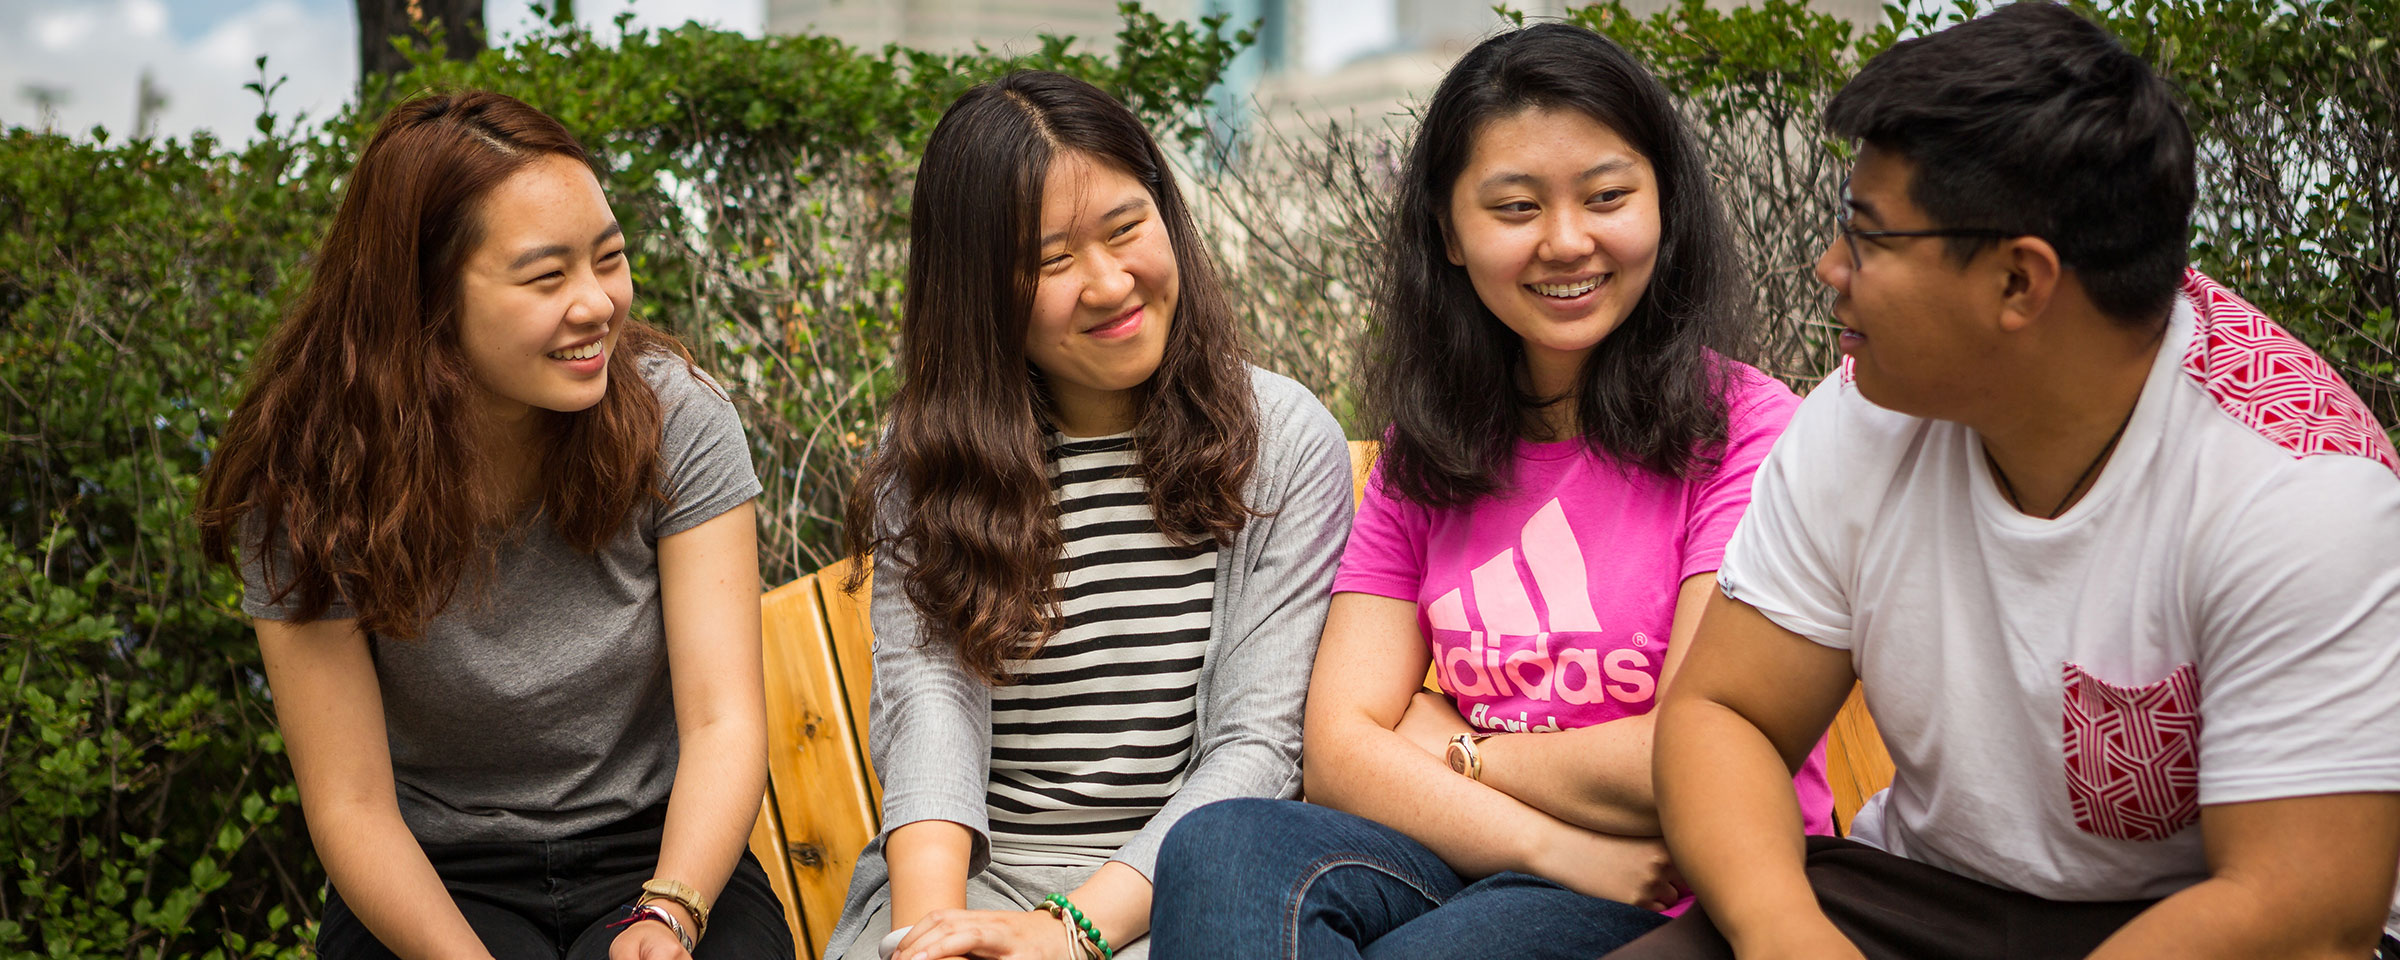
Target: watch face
x,y
1457,758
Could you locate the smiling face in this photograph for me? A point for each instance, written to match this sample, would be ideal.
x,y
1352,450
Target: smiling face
x,y
1104,297
1555,218
544,293
1920,328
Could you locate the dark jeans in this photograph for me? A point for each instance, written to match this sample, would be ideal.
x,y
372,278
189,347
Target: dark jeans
x,y
1279,878
1894,908
554,899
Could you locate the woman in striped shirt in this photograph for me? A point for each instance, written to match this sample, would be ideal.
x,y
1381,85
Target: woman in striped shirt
x,y
1102,542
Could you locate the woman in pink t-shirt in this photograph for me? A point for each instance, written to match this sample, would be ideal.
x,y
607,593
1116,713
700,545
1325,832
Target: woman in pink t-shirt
x,y
1570,447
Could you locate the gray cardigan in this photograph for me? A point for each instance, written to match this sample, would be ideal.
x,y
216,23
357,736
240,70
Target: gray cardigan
x,y
929,721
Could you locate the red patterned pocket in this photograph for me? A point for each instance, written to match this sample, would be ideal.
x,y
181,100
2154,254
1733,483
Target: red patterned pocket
x,y
2133,754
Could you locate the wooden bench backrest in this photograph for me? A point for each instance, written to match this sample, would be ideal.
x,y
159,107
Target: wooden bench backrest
x,y
823,799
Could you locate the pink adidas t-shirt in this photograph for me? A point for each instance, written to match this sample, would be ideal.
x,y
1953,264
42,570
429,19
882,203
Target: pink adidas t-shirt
x,y
1548,607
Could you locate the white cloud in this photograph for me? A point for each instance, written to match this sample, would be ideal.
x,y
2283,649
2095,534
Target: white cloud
x,y
146,18
94,53
63,29
1338,31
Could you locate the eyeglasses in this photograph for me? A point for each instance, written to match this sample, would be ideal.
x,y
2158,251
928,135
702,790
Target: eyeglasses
x,y
1850,234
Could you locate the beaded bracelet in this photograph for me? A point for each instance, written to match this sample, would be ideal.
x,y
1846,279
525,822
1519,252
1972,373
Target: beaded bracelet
x,y
1091,934
641,912
1078,948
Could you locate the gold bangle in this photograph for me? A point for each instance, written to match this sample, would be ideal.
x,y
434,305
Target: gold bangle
x,y
683,895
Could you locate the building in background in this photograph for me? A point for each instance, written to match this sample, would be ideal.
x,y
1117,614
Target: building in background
x,y
1315,61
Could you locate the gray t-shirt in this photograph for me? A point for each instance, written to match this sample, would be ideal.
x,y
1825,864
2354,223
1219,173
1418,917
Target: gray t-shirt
x,y
544,710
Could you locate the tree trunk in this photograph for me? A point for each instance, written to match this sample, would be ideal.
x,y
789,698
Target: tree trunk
x,y
379,21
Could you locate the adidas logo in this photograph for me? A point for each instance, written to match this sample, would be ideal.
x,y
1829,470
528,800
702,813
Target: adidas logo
x,y
1493,658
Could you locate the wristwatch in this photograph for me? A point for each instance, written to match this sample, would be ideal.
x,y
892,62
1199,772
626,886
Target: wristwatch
x,y
683,895
1465,754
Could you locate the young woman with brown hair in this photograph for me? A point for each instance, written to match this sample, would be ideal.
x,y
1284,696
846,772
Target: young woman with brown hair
x,y
497,539
1102,542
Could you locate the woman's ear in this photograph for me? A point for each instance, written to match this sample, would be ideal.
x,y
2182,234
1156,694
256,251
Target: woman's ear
x,y
1458,258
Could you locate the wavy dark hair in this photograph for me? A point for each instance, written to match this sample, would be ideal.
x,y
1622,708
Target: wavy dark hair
x,y
978,537
341,469
1442,369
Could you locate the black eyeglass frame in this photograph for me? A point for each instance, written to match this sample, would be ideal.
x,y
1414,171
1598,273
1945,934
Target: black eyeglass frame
x,y
1850,234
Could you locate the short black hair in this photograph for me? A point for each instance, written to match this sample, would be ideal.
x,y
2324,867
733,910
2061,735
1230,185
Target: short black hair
x,y
2035,120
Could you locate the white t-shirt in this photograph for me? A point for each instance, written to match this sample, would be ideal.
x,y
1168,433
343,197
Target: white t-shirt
x,y
2217,621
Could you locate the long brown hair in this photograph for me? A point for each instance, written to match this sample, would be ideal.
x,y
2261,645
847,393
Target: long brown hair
x,y
345,472
979,541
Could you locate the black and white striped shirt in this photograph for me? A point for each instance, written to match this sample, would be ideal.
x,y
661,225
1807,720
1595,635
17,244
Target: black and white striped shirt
x,y
1097,732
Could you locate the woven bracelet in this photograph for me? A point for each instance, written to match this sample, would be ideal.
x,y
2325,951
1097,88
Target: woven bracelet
x,y
643,911
1091,934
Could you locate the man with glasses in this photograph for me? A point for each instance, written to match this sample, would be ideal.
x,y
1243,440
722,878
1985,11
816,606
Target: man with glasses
x,y
2116,559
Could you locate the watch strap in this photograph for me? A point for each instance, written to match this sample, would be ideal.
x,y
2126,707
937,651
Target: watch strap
x,y
684,895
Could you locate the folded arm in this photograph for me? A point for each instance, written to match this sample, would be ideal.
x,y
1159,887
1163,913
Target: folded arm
x,y
1598,777
1369,666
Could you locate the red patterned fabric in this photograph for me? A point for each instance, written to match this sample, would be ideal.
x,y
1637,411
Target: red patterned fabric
x,y
2273,383
2133,754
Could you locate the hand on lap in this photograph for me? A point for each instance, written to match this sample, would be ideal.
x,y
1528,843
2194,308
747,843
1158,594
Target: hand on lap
x,y
648,940
1633,870
986,935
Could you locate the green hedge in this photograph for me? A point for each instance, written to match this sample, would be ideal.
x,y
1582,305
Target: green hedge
x,y
144,804
2293,103
145,807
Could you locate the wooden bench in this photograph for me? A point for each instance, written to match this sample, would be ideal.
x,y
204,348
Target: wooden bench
x,y
823,802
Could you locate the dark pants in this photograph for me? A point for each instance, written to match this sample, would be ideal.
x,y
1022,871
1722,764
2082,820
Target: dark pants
x,y
1278,878
554,899
1894,908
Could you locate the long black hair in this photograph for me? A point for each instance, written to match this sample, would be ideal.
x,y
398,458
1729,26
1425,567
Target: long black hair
x,y
1442,369
979,542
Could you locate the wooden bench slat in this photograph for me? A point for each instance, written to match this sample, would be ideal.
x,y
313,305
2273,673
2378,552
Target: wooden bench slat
x,y
1362,461
853,653
813,762
768,845
1856,763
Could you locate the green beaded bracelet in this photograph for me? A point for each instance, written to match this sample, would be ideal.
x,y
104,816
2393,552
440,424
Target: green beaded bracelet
x,y
1090,933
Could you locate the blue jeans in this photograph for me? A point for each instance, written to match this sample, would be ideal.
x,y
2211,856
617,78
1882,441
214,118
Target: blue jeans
x,y
1279,878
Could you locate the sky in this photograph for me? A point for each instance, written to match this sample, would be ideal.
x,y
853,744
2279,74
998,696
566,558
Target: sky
x,y
90,55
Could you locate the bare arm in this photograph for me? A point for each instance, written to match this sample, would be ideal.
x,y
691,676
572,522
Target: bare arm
x,y
1752,701
330,711
1598,777
928,862
1370,664
2305,877
708,591
1117,901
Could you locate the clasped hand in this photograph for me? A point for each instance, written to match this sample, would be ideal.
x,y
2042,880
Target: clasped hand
x,y
986,935
647,940
1633,870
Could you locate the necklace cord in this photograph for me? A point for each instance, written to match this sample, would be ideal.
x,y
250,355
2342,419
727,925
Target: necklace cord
x,y
2010,490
